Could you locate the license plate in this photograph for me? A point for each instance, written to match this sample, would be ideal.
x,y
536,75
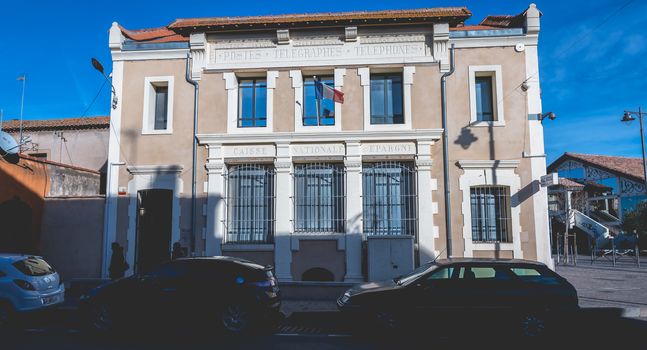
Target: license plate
x,y
50,300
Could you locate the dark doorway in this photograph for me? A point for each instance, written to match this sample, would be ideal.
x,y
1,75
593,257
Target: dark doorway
x,y
153,247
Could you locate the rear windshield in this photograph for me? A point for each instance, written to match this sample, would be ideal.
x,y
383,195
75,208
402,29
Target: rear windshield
x,y
33,267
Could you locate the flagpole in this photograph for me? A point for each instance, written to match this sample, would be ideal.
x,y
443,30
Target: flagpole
x,y
22,107
1,118
318,99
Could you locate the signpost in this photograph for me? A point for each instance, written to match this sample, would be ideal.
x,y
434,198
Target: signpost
x,y
549,180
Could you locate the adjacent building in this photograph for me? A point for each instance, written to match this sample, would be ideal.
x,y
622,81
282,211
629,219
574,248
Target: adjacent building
x,y
322,189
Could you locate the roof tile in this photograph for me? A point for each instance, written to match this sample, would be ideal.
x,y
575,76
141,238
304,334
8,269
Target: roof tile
x,y
57,124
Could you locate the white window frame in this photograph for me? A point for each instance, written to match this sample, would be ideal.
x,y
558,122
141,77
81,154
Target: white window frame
x,y
231,85
148,120
297,85
497,80
407,82
483,173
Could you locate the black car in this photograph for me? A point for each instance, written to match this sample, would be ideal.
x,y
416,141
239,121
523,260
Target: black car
x,y
475,294
235,294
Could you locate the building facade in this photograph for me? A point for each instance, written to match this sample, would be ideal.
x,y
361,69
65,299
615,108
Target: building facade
x,y
306,184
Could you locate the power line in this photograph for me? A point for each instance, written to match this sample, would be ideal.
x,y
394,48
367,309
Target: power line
x,y
93,100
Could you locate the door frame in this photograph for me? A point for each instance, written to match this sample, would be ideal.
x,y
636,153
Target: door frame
x,y
152,177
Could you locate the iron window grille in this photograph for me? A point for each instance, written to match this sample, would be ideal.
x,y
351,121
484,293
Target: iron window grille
x,y
386,99
491,214
389,199
326,115
320,198
250,204
252,103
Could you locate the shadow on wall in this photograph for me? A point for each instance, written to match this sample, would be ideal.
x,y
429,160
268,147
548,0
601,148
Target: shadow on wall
x,y
15,224
466,138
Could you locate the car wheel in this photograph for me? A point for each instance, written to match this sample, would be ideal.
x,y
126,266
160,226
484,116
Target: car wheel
x,y
533,325
236,319
100,318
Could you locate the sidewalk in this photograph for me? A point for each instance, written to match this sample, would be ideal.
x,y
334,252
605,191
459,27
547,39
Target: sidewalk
x,y
600,285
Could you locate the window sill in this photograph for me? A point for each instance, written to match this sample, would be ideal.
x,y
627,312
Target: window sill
x,y
237,247
492,246
481,124
157,132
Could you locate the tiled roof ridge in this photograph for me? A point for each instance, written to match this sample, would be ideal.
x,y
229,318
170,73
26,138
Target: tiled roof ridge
x,y
51,162
597,155
97,122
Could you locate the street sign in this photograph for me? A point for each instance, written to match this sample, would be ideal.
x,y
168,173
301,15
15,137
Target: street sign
x,y
549,180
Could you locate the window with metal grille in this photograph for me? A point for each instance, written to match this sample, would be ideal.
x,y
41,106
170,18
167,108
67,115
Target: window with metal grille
x,y
326,107
386,99
250,204
491,218
389,198
319,198
252,103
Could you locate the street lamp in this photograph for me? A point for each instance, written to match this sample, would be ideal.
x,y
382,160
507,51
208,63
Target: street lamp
x,y
628,117
99,67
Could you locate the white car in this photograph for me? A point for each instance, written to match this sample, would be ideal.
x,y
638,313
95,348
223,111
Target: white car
x,y
27,283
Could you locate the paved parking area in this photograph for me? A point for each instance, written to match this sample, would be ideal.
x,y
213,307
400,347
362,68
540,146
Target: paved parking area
x,y
602,285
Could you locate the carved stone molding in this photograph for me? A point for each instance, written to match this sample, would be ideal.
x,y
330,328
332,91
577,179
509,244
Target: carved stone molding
x,y
393,38
283,36
317,41
350,33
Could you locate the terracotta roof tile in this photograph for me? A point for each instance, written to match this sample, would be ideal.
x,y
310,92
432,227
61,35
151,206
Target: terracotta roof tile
x,y
569,184
154,35
455,14
623,166
504,21
58,124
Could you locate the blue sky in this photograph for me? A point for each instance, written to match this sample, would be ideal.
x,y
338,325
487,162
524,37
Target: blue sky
x,y
592,57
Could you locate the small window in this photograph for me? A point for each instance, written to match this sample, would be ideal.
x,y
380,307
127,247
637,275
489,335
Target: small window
x,y
252,103
484,98
33,267
161,107
386,99
158,105
317,112
491,214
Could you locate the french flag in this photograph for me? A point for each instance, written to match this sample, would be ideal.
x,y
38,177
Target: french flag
x,y
324,91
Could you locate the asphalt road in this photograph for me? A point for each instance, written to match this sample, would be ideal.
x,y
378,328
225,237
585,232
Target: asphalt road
x,y
593,329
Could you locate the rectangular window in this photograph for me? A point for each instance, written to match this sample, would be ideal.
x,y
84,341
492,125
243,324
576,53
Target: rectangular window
x,y
252,103
484,99
386,99
491,218
161,107
250,204
325,107
389,199
319,191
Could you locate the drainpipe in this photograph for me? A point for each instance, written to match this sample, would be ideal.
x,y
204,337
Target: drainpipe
x,y
448,207
194,173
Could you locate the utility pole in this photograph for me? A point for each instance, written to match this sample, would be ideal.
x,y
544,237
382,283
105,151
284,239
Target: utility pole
x,y
22,107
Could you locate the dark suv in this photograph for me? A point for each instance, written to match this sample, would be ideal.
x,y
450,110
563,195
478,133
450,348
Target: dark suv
x,y
235,294
474,293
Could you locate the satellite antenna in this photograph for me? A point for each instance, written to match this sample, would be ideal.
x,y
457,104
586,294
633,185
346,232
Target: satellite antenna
x,y
8,148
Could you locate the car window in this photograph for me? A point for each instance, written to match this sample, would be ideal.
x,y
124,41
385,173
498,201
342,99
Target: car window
x,y
33,266
444,273
483,273
532,275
